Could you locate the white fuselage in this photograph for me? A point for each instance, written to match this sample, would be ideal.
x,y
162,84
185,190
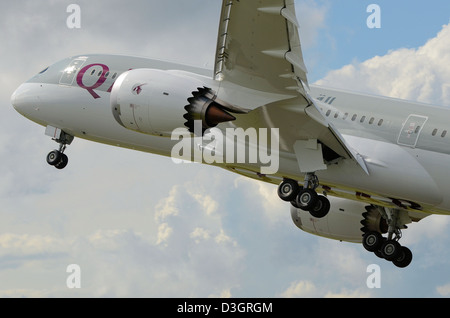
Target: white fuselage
x,y
405,145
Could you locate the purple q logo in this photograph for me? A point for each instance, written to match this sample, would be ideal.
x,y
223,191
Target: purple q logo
x,y
100,81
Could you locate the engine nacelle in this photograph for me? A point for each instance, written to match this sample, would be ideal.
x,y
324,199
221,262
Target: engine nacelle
x,y
151,101
157,102
347,220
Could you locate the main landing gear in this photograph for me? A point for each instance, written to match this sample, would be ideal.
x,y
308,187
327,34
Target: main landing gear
x,y
305,197
389,248
58,158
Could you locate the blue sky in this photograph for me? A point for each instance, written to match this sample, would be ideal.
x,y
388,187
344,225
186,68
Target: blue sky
x,y
140,226
345,36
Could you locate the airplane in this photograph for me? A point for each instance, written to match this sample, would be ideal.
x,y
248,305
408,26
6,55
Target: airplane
x,y
352,167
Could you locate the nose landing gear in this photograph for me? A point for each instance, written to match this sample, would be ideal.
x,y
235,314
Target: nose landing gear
x,y
58,158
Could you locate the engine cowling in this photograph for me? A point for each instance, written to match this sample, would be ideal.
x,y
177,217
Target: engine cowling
x,y
157,102
347,220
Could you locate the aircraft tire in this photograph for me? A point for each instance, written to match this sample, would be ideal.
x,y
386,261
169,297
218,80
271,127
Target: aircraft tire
x,y
288,190
404,258
63,162
321,208
372,241
391,249
306,199
54,157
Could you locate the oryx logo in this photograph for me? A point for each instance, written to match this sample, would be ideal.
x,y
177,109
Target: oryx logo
x,y
137,89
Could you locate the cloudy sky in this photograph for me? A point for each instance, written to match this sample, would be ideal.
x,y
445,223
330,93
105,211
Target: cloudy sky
x,y
139,226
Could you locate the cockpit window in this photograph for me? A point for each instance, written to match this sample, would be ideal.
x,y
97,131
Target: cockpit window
x,y
68,75
44,70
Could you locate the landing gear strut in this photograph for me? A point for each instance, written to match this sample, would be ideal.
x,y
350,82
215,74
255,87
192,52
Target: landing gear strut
x,y
306,197
389,248
58,158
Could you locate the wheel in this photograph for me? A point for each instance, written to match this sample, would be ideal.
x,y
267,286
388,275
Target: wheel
x,y
404,258
391,250
372,241
378,251
306,199
54,157
321,208
288,190
62,162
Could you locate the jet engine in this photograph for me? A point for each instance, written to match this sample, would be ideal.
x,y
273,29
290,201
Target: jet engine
x,y
157,102
347,220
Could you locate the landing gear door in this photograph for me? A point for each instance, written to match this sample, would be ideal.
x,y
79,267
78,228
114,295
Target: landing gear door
x,y
411,130
71,70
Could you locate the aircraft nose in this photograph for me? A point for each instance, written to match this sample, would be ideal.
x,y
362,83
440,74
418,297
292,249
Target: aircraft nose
x,y
17,97
22,99
13,98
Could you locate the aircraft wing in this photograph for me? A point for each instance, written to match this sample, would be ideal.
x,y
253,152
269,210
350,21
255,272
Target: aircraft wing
x,y
259,46
259,50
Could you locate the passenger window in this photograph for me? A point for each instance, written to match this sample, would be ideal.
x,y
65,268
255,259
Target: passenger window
x,y
328,113
363,118
380,122
434,132
371,120
444,133
354,117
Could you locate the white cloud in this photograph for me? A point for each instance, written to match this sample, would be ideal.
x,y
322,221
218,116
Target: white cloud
x,y
18,245
345,259
415,74
167,207
432,227
350,294
185,260
207,202
312,18
264,196
200,234
164,232
300,289
443,290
